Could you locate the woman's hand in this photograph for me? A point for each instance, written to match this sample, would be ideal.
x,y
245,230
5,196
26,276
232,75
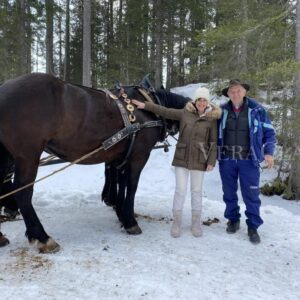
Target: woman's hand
x,y
139,104
209,168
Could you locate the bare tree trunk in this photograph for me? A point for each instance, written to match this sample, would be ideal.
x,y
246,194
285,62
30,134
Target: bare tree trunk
x,y
110,38
119,36
170,50
49,36
296,114
60,60
244,43
145,38
28,37
67,43
284,130
158,42
181,69
170,63
22,68
86,53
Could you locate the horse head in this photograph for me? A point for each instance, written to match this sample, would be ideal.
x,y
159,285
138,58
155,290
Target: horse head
x,y
171,100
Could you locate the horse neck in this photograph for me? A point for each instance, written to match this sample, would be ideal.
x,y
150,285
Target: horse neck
x,y
171,100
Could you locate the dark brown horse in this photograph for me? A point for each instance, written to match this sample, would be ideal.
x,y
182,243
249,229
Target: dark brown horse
x,y
40,112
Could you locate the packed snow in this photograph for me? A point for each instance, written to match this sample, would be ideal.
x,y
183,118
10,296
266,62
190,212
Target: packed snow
x,y
99,260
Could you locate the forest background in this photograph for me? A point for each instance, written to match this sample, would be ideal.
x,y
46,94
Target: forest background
x,y
99,42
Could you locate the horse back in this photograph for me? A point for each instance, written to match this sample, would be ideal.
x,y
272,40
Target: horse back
x,y
39,110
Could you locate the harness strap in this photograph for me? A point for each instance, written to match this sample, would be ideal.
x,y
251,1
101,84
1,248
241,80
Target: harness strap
x,y
156,123
123,163
130,128
148,98
147,124
123,113
145,94
126,131
120,135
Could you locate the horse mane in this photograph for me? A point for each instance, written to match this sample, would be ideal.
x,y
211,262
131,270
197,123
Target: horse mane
x,y
167,98
108,92
87,87
171,100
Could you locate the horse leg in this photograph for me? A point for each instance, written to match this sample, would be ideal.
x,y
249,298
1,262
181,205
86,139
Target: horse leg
x,y
25,173
134,170
9,203
6,163
109,193
105,191
121,182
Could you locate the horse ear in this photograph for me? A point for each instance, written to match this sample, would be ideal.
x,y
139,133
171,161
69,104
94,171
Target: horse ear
x,y
146,83
117,85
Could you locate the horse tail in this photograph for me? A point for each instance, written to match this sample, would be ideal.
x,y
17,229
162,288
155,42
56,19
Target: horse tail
x,y
6,185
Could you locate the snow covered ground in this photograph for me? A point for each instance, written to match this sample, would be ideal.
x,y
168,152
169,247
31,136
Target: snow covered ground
x,y
98,260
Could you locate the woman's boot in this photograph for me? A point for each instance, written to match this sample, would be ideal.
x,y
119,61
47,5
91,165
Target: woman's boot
x,y
196,223
176,225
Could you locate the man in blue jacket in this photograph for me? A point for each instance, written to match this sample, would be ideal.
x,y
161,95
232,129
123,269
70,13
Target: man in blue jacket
x,y
246,138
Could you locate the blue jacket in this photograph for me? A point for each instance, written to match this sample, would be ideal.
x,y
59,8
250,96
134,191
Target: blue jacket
x,y
262,133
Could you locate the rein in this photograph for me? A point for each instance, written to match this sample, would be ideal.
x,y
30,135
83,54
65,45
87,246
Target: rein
x,y
43,161
54,172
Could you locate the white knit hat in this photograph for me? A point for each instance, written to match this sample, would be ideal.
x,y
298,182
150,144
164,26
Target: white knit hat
x,y
201,92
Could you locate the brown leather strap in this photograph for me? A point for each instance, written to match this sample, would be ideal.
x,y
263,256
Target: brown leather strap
x,y
123,113
145,94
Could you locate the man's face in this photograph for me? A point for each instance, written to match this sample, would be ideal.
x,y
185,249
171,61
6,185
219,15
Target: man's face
x,y
236,94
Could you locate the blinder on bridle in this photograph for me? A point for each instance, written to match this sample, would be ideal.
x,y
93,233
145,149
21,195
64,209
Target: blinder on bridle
x,y
170,127
147,85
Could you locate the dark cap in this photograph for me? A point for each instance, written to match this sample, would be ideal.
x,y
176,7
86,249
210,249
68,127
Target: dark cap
x,y
235,82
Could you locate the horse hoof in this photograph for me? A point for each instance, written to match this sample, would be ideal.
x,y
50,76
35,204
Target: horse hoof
x,y
134,230
50,247
108,202
3,240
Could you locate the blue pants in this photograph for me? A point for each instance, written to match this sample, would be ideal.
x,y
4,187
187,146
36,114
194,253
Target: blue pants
x,y
231,170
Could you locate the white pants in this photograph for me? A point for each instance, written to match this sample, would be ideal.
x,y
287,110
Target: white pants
x,y
182,176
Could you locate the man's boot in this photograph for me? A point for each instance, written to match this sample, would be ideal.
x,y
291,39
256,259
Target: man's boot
x,y
176,225
233,226
253,236
3,240
196,223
